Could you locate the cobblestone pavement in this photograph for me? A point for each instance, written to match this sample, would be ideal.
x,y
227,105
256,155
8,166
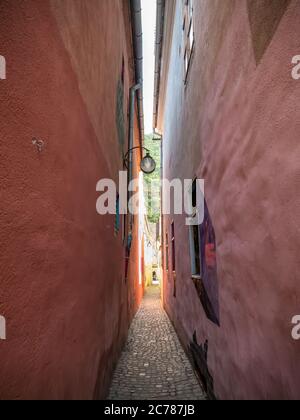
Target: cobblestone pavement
x,y
153,365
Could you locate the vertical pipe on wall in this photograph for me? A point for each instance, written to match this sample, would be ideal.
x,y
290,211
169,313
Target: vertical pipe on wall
x,y
137,34
133,91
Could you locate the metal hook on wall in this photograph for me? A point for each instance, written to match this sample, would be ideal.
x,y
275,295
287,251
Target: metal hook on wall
x,y
40,144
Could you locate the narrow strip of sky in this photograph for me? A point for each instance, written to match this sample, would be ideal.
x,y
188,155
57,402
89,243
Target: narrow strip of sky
x,y
149,23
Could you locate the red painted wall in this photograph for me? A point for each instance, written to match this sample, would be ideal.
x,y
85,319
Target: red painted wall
x,y
62,287
236,124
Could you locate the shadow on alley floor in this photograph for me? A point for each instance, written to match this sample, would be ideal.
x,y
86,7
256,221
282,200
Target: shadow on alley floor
x,y
153,365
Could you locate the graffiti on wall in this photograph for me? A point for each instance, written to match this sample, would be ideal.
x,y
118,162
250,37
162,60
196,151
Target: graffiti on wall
x,y
207,285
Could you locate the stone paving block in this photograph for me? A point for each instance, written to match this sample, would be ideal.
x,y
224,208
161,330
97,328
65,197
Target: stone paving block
x,y
153,365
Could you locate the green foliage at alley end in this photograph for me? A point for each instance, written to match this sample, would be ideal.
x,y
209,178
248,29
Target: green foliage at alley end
x,y
152,182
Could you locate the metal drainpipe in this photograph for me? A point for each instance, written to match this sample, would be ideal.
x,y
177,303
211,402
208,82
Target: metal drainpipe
x,y
137,89
133,91
137,37
159,37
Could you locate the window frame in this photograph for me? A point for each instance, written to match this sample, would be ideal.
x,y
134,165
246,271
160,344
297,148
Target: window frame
x,y
118,222
196,266
189,36
167,262
173,247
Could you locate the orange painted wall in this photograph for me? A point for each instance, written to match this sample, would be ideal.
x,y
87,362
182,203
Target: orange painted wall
x,y
62,287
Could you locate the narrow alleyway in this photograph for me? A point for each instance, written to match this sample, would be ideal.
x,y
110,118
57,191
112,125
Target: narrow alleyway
x,y
153,364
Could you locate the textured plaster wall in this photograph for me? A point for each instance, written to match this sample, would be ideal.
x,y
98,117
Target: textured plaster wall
x,y
236,124
62,287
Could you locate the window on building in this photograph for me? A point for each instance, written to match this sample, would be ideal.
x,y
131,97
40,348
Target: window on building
x,y
117,218
124,228
173,247
167,252
173,258
195,240
195,251
189,39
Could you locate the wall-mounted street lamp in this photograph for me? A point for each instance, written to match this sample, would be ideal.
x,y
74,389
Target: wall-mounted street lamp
x,y
148,164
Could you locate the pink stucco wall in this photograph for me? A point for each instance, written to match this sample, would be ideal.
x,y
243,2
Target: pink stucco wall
x,y
236,125
62,288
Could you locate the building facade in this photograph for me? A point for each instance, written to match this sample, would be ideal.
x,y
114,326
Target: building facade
x,y
227,104
68,116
